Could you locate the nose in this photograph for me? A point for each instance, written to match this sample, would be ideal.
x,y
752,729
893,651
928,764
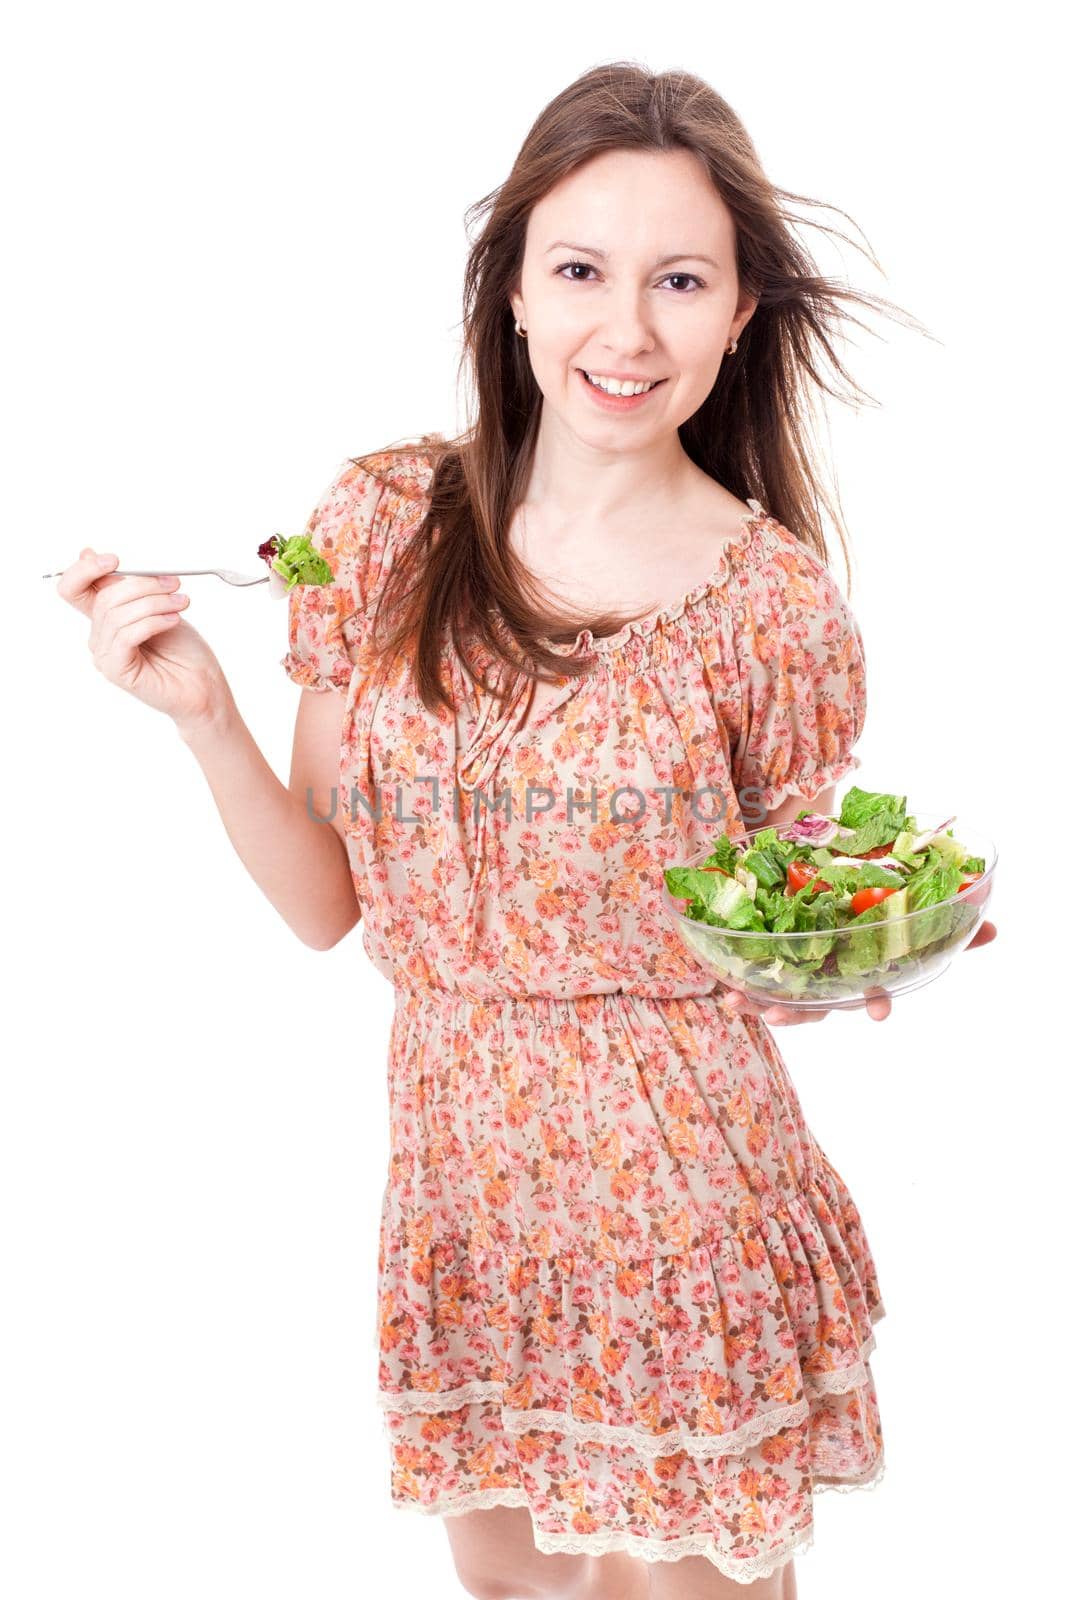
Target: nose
x,y
628,324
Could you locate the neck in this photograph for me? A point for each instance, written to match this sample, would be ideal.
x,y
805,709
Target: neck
x,y
579,483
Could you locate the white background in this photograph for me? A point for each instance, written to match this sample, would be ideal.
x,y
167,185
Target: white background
x,y
235,246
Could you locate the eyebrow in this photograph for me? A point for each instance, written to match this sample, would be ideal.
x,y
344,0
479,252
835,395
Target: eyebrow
x,y
602,255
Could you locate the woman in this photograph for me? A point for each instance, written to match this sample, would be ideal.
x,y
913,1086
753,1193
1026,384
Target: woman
x,y
626,1303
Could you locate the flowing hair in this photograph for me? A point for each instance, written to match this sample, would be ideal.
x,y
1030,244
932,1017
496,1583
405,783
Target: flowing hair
x,y
755,433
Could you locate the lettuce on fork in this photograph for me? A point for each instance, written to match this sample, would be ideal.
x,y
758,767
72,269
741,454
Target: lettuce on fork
x,y
294,561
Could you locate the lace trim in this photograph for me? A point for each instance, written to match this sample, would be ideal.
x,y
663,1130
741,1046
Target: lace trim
x,y
610,1540
697,1544
649,1445
441,1399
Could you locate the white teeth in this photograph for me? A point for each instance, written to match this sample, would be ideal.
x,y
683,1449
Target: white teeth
x,y
613,386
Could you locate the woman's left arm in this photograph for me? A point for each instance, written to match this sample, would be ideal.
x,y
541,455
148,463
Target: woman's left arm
x,y
780,748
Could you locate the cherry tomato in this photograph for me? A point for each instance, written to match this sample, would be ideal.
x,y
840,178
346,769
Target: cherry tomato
x,y
863,899
878,850
800,875
969,879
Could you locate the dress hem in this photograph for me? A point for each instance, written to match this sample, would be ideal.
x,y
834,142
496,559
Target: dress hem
x,y
607,1542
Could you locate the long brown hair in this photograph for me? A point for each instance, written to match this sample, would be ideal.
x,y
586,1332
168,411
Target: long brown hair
x,y
753,433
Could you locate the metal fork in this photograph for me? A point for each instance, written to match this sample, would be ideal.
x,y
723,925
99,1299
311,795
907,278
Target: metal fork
x,y
243,580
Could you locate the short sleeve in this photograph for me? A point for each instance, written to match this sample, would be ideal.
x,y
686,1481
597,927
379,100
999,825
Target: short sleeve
x,y
803,682
326,620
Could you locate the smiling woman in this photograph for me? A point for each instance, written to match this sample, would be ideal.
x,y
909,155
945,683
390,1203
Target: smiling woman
x,y
626,1303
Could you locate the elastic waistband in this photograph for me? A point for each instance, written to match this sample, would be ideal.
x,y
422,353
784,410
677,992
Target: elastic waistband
x,y
430,993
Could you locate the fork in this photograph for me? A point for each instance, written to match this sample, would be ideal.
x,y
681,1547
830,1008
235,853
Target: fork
x,y
243,580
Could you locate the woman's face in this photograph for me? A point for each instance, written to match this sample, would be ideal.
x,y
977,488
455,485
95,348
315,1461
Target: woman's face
x,y
599,295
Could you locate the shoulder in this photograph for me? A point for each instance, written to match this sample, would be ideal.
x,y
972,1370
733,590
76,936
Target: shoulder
x,y
371,502
788,610
793,578
406,471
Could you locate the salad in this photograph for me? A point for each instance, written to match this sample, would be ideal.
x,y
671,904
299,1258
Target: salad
x,y
294,561
853,884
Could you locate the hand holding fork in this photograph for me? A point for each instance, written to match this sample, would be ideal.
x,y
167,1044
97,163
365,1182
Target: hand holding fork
x,y
140,641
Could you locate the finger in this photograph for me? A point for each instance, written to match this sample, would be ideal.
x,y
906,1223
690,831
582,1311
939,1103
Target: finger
x,y
737,1003
122,659
984,935
792,1016
121,628
111,607
778,1014
878,1006
77,586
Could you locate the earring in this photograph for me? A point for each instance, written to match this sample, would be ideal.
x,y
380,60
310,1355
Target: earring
x,y
732,350
521,332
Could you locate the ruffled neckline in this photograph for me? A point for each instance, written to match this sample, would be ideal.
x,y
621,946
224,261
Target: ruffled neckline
x,y
733,548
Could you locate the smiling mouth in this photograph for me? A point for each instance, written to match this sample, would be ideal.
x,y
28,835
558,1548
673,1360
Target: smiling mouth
x,y
596,386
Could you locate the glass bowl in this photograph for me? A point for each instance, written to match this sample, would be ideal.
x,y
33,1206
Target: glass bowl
x,y
897,954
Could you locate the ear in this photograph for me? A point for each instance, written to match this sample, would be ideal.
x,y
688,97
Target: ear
x,y
747,305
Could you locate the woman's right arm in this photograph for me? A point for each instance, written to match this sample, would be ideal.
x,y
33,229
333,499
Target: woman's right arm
x,y
140,641
297,857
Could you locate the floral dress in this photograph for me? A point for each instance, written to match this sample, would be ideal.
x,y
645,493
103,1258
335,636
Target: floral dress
x,y
619,1281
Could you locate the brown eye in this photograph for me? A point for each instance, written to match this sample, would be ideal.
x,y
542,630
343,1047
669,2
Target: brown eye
x,y
584,264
